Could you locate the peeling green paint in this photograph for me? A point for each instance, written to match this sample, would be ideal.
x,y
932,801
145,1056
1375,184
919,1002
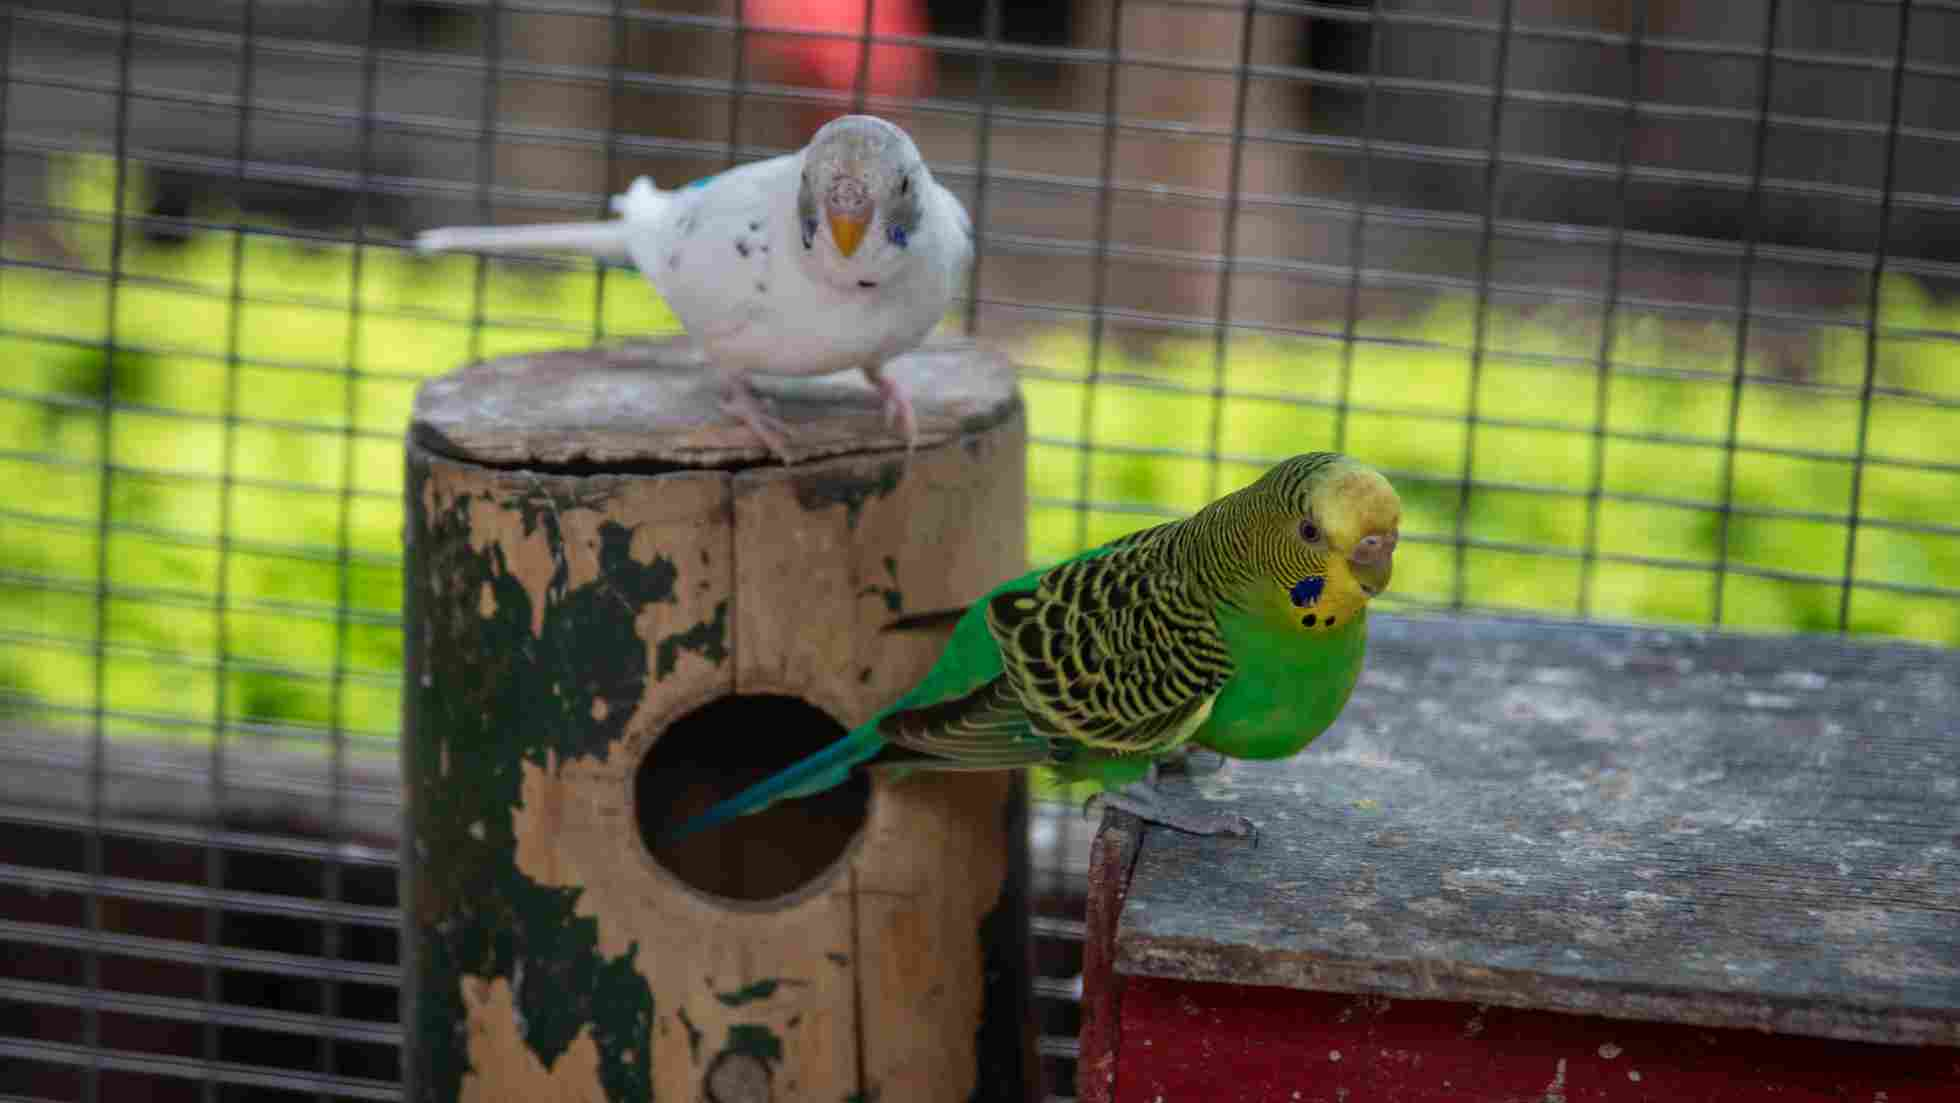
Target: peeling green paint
x,y
693,1035
894,600
754,1040
477,709
822,490
708,638
540,503
759,990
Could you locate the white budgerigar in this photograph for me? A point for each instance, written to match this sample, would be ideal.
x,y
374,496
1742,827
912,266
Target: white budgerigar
x,y
841,255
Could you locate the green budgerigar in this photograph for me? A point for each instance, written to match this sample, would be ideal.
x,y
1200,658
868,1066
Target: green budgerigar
x,y
1239,629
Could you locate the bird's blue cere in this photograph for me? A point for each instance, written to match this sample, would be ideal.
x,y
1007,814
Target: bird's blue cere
x,y
898,236
1307,591
701,183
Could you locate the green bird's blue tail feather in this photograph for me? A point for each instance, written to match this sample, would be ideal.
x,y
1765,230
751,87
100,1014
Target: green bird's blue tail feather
x,y
826,769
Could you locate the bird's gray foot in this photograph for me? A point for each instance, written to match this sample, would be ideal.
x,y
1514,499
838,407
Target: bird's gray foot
x,y
741,400
1192,762
898,408
1144,801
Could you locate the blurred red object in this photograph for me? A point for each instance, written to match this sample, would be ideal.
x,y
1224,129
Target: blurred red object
x,y
832,60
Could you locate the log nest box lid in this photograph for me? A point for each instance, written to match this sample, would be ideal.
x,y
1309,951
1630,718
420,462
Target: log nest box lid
x,y
659,402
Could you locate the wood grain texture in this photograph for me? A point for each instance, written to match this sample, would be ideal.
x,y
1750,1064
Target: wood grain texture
x,y
829,553
1234,1044
658,402
1670,826
538,608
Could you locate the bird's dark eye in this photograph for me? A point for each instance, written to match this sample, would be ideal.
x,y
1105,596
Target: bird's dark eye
x,y
899,236
1309,531
905,185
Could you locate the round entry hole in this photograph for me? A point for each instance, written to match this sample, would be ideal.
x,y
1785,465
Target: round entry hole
x,y
717,751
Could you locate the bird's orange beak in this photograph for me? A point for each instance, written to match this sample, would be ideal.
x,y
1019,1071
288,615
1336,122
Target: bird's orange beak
x,y
847,230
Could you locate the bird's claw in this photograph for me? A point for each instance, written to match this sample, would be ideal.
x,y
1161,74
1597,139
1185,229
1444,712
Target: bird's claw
x,y
1193,762
742,401
898,408
1143,801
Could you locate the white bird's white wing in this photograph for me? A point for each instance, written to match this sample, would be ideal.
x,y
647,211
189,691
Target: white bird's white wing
x,y
710,248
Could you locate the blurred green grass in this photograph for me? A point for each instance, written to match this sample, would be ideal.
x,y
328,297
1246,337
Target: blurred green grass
x,y
312,429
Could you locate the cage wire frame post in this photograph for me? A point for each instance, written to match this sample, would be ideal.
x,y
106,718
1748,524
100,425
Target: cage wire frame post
x,y
98,729
214,859
101,831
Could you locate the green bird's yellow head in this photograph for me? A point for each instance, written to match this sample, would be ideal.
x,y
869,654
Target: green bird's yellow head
x,y
1313,539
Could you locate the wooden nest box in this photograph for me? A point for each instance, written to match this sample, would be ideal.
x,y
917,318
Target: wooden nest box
x,y
619,610
1563,863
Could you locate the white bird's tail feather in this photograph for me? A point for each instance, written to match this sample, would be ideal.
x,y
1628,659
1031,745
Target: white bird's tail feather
x,y
606,240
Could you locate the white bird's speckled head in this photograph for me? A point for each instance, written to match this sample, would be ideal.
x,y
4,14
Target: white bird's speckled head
x,y
860,203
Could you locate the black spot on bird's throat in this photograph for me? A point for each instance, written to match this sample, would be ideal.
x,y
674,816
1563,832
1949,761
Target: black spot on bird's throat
x,y
755,225
1309,620
741,247
761,288
867,283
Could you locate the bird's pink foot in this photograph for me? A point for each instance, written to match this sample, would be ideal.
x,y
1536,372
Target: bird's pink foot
x,y
898,408
741,400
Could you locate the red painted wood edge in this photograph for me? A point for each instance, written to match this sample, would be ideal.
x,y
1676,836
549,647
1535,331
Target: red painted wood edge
x,y
1184,1040
1111,859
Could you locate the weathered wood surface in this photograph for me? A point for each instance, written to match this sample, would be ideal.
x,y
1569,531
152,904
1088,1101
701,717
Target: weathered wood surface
x,y
563,621
1671,826
829,553
643,402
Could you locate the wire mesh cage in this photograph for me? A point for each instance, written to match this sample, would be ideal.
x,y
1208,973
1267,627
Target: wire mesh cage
x,y
1650,311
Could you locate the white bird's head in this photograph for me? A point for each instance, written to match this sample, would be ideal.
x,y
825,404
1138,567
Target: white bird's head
x,y
861,201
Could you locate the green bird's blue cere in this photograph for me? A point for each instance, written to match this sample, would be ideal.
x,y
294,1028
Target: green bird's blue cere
x,y
1307,591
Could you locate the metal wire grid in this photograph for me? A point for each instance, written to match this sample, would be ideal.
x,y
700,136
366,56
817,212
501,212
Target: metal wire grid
x,y
80,864
278,1036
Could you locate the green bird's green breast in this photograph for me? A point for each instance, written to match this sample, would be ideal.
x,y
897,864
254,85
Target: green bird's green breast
x,y
1286,688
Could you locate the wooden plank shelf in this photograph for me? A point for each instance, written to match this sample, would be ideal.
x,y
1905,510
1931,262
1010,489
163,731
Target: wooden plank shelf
x,y
1528,849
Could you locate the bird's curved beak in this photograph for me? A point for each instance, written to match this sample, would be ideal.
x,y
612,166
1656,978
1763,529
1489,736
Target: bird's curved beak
x,y
848,207
847,229
1373,561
